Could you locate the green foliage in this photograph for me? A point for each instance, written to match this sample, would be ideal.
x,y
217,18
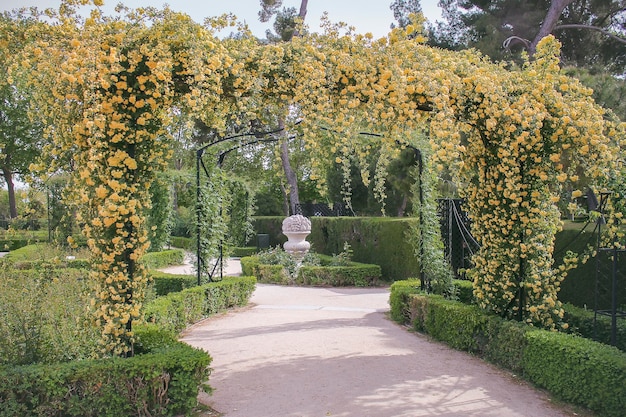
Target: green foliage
x,y
464,290
240,252
353,274
399,299
273,267
43,318
175,311
379,241
582,322
504,342
164,382
577,370
182,242
155,260
160,215
164,283
457,324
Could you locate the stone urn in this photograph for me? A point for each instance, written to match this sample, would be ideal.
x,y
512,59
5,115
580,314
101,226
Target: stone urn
x,y
297,228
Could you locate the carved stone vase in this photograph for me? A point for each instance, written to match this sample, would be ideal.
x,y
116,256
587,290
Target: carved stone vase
x,y
297,228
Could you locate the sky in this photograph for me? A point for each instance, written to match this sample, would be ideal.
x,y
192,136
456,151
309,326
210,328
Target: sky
x,y
365,15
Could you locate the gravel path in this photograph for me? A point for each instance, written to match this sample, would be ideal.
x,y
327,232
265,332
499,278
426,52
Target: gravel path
x,y
313,352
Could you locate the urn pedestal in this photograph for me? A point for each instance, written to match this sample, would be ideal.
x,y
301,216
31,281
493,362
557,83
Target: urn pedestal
x,y
297,228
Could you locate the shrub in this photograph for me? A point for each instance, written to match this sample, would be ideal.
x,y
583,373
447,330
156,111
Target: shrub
x,y
459,325
581,321
182,242
164,283
240,252
399,299
175,311
465,291
577,370
353,274
43,316
163,382
155,260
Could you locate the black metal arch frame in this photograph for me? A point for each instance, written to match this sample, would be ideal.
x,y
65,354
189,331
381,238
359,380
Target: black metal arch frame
x,y
260,137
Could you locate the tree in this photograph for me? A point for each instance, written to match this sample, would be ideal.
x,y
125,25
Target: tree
x,y
402,9
20,137
287,27
599,25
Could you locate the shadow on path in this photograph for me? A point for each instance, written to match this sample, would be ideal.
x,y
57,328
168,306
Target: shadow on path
x,y
338,357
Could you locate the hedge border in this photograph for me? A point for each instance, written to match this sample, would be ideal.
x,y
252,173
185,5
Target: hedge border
x,y
177,310
572,368
163,382
354,274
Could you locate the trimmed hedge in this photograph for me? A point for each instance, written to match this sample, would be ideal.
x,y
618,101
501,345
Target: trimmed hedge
x,y
182,242
163,382
354,274
164,283
581,322
162,259
175,311
374,240
240,252
574,369
577,370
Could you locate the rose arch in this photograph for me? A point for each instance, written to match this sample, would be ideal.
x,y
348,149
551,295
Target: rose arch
x,y
512,137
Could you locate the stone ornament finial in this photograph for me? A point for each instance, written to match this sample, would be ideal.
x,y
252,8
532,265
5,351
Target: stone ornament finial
x,y
296,223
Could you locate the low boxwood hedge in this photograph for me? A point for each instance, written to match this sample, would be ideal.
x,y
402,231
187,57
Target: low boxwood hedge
x,y
353,274
155,260
573,368
164,283
164,382
175,311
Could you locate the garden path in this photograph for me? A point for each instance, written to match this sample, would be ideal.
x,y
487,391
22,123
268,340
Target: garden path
x,y
313,352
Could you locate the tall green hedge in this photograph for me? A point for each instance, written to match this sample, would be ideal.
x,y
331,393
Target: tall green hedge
x,y
374,240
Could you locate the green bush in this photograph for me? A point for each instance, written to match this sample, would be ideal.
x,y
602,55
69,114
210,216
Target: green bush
x,y
461,326
43,316
581,321
504,343
399,299
164,382
465,290
355,274
240,252
182,242
13,244
577,370
155,260
164,283
175,311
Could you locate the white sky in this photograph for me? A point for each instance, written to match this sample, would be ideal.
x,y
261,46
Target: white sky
x,y
365,15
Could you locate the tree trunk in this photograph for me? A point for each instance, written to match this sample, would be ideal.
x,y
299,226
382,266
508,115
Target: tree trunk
x,y
8,177
292,178
549,22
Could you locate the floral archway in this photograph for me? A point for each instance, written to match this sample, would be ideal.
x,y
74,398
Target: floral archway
x,y
108,88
